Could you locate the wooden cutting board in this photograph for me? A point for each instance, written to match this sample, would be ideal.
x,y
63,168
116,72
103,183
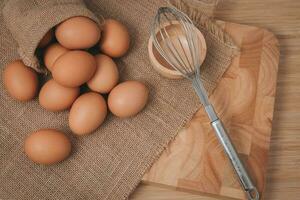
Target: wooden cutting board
x,y
244,99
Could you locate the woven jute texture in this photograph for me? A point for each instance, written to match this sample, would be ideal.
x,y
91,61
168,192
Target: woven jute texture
x,y
29,21
109,163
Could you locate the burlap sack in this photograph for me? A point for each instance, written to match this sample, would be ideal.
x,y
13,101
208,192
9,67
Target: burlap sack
x,y
110,163
29,21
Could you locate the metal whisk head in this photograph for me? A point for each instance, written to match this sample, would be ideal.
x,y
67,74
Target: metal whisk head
x,y
174,36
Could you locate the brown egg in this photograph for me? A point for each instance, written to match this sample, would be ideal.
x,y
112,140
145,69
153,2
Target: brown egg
x,y
47,146
20,81
128,98
115,38
74,68
52,53
46,39
78,33
87,113
55,97
106,75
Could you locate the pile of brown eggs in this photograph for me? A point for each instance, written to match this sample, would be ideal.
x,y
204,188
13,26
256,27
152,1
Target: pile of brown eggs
x,y
71,67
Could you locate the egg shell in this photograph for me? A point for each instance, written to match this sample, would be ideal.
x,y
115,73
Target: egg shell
x,y
128,98
47,146
55,97
52,53
115,39
87,113
106,76
74,68
20,81
78,33
48,37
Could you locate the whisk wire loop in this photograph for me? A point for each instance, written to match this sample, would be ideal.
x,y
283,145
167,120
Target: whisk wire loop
x,y
179,52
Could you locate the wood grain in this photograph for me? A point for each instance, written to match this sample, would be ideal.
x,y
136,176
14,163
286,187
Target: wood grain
x,y
281,17
244,100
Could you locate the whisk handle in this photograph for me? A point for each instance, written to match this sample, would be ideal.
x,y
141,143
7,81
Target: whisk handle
x,y
228,147
238,166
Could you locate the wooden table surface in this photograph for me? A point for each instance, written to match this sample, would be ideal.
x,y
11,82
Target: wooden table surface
x,y
282,17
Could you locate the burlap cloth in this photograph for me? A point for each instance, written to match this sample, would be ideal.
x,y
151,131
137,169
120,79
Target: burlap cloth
x,y
110,163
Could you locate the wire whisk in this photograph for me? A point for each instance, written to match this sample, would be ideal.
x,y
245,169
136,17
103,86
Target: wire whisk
x,y
175,37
